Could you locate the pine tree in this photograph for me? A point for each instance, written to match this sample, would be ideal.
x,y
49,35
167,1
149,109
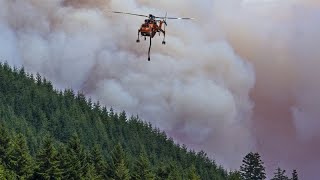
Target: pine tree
x,y
4,145
294,175
174,174
6,174
48,162
235,175
118,168
163,171
252,167
92,174
76,159
63,160
20,159
121,171
169,171
142,169
280,175
38,79
98,161
2,172
192,174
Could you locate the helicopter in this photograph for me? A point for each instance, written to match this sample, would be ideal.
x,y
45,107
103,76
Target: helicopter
x,y
151,26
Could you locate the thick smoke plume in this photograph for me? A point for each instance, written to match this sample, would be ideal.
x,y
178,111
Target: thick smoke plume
x,y
241,77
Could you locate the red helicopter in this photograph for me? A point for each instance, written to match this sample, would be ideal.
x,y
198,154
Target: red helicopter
x,y
151,26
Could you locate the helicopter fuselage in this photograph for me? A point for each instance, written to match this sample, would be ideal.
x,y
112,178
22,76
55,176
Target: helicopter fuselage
x,y
150,28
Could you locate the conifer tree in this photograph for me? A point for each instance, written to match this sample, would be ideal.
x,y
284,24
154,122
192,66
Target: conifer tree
x,y
6,174
174,174
252,167
4,145
142,169
192,174
76,159
294,175
63,160
48,162
98,161
235,175
163,171
92,174
22,72
118,167
168,171
20,159
121,171
38,79
2,172
280,174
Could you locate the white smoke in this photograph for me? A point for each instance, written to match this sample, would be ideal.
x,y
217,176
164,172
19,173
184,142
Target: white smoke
x,y
281,40
240,77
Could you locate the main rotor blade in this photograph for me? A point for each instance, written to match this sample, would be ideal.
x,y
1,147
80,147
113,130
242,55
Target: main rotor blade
x,y
182,18
129,13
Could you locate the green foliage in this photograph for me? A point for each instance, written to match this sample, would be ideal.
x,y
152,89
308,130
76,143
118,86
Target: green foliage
x,y
162,171
234,175
121,171
48,162
20,160
192,174
2,172
7,174
142,169
175,174
118,168
4,145
98,162
252,167
76,159
280,175
92,174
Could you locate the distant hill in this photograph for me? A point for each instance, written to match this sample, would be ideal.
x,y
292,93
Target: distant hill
x,y
69,136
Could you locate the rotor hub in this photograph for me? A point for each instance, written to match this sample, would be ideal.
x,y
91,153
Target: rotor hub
x,y
151,16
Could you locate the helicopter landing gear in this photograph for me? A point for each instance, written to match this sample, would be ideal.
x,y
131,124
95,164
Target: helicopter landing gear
x,y
164,38
138,40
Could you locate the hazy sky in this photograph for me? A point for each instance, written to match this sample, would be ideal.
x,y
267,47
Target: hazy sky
x,y
241,77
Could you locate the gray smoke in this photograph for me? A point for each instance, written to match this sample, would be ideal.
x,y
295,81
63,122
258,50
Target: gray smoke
x,y
240,77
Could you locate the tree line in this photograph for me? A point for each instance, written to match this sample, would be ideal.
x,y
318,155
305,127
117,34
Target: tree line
x,y
60,134
72,161
253,168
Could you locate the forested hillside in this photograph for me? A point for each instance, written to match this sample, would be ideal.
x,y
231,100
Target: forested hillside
x,y
51,134
42,127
